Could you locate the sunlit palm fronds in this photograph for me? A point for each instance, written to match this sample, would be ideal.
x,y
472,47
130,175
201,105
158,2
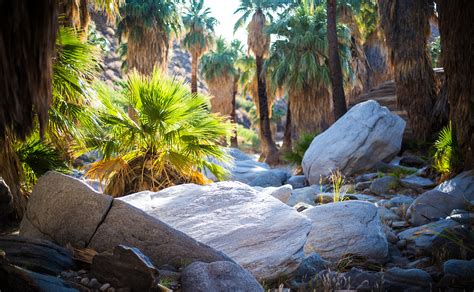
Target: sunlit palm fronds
x,y
165,143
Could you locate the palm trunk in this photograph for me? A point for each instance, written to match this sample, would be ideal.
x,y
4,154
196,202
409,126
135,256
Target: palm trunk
x,y
233,117
268,144
335,70
194,65
457,33
287,145
406,27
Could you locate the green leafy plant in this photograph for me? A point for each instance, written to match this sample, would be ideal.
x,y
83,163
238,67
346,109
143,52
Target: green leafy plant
x,y
295,156
445,158
248,139
164,136
435,51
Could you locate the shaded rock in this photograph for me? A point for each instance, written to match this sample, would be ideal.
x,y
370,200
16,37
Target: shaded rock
x,y
305,195
454,243
422,237
281,193
397,278
125,267
399,201
297,181
218,276
270,178
79,216
365,135
258,231
384,184
349,227
362,197
360,186
412,161
433,205
386,214
308,269
462,184
36,255
14,278
74,210
6,199
459,273
324,198
128,225
366,177
414,181
300,207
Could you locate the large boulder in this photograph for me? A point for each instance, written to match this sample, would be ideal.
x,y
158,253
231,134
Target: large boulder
x,y
365,135
348,227
65,210
439,202
218,276
258,231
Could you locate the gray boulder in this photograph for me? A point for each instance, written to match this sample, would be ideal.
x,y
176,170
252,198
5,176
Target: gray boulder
x,y
365,135
384,184
402,279
281,193
65,210
439,202
258,231
349,227
218,276
270,178
309,267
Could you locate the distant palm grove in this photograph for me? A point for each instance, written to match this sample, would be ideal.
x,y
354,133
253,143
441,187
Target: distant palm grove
x,y
302,67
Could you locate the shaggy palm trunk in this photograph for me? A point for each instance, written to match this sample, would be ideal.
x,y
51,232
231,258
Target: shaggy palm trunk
x,y
233,116
311,111
75,14
457,34
194,66
335,70
148,51
287,145
406,27
268,145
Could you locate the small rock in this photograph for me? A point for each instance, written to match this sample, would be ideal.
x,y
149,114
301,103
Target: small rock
x,y
383,185
460,268
414,181
270,178
360,186
420,263
104,287
407,278
93,283
85,281
387,215
366,177
323,198
301,206
401,244
399,224
306,195
82,272
399,201
297,181
309,267
463,218
281,193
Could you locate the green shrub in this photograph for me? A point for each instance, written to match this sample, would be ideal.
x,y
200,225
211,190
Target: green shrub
x,y
445,158
248,139
299,148
435,51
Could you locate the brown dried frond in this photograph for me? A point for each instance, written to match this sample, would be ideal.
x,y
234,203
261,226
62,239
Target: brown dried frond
x,y
222,90
148,51
258,40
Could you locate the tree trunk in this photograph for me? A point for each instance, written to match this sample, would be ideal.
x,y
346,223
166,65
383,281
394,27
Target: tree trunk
x,y
335,70
287,145
406,27
457,46
233,117
194,65
271,155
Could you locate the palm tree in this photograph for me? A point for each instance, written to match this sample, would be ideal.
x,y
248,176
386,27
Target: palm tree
x,y
298,62
170,140
218,69
147,27
335,71
457,33
406,27
199,34
258,42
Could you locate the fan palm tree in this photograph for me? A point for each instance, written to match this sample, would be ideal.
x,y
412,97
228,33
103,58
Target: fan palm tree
x,y
299,62
218,70
406,27
457,33
168,142
258,42
147,27
199,34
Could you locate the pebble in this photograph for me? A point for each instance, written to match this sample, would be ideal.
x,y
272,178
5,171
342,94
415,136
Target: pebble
x,y
401,244
399,224
82,272
104,287
85,281
94,283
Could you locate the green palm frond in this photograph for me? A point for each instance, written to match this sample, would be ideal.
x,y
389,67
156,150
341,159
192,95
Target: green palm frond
x,y
199,25
446,154
218,61
171,128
